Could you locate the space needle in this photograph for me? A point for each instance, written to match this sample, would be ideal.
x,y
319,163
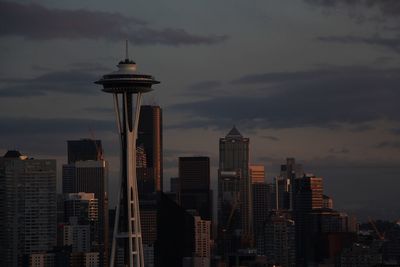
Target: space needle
x,y
124,84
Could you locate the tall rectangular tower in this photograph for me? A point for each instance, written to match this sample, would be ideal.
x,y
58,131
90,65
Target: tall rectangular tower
x,y
150,139
194,185
234,157
84,149
28,207
88,172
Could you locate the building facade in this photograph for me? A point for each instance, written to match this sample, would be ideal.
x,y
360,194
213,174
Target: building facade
x,y
150,140
235,213
28,207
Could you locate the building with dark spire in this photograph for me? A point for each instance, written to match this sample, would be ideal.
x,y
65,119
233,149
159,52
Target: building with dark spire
x,y
234,193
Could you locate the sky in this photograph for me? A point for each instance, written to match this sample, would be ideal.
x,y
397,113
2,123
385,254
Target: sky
x,y
318,80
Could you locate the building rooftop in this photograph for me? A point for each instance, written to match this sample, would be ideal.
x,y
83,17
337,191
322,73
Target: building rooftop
x,y
234,133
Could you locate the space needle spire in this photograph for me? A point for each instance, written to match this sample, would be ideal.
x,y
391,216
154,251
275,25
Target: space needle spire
x,y
124,84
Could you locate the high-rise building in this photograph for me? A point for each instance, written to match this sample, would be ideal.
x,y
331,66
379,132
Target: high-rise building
x,y
257,173
84,149
194,185
90,176
28,203
202,236
234,191
150,139
279,240
308,197
262,204
81,222
282,193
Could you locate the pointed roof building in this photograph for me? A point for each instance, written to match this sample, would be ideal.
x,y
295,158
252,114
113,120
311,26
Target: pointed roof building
x,y
234,133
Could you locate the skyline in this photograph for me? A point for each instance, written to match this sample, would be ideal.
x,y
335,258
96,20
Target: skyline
x,y
299,55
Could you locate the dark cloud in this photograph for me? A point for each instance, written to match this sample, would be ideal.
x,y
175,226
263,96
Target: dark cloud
x,y
272,138
395,131
206,85
66,82
389,144
392,43
386,7
34,21
101,110
316,98
339,151
48,136
204,88
362,128
23,125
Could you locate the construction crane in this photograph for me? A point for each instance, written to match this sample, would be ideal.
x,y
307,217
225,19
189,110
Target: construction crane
x,y
99,151
381,236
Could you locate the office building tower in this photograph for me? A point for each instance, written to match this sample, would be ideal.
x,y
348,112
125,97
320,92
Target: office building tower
x,y
28,207
257,173
327,202
148,218
282,193
174,185
361,256
194,185
279,240
234,191
90,176
83,206
262,204
175,233
84,149
308,197
81,222
149,138
290,171
202,236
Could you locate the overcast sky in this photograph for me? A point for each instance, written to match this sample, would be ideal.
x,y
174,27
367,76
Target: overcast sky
x,y
318,80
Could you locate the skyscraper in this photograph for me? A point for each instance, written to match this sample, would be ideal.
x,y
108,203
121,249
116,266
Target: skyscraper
x,y
88,173
84,149
150,139
194,185
235,192
257,173
262,204
28,206
279,240
308,198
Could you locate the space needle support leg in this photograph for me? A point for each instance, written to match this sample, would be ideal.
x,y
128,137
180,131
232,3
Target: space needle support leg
x,y
116,221
139,244
134,231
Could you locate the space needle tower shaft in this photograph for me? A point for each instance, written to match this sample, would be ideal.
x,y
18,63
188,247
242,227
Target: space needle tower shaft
x,y
125,84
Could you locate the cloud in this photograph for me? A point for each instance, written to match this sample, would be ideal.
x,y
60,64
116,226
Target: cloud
x,y
65,82
48,136
204,88
272,138
37,22
23,125
339,151
395,131
392,43
389,144
386,7
316,98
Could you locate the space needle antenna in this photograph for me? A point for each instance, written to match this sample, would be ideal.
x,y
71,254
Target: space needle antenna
x,y
126,49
